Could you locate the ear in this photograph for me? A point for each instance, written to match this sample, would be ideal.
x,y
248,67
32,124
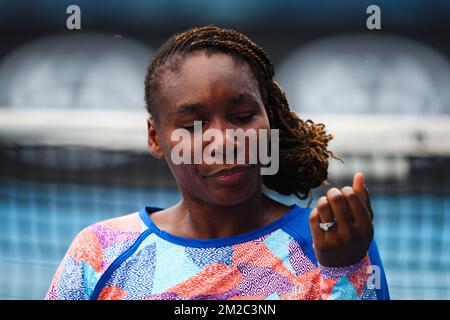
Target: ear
x,y
153,142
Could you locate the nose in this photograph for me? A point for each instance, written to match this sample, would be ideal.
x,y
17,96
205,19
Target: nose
x,y
221,141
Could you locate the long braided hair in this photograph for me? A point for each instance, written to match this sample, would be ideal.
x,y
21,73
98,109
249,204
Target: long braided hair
x,y
302,144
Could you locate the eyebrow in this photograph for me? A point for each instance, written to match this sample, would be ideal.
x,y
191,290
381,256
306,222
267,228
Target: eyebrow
x,y
189,107
243,97
194,107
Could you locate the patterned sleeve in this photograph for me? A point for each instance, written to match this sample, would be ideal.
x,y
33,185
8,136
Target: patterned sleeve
x,y
79,270
345,283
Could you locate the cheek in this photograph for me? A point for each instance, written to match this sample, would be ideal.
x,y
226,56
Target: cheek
x,y
168,144
185,173
261,120
261,124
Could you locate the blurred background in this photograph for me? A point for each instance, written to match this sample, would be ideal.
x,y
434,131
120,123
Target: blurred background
x,y
73,121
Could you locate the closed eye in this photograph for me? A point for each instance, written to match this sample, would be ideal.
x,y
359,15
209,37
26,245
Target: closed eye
x,y
189,128
243,118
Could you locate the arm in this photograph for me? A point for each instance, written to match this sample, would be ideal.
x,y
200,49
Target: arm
x,y
79,270
363,280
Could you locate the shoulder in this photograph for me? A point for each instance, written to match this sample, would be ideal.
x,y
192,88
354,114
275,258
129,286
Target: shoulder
x,y
105,239
91,253
298,228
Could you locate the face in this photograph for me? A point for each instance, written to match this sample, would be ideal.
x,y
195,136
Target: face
x,y
223,94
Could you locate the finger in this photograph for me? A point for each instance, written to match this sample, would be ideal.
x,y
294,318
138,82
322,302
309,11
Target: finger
x,y
324,210
340,211
358,182
359,211
361,189
369,205
314,221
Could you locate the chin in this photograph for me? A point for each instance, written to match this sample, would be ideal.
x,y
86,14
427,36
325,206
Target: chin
x,y
230,196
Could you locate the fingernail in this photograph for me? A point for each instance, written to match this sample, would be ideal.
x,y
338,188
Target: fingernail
x,y
321,199
334,191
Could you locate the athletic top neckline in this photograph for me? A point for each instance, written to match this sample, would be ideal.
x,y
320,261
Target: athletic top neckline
x,y
145,213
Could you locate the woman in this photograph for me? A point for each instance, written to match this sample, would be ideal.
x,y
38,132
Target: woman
x,y
226,239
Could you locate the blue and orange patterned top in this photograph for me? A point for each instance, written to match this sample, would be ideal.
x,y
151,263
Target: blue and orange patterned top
x,y
131,258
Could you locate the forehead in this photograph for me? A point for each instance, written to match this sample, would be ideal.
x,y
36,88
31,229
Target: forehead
x,y
201,78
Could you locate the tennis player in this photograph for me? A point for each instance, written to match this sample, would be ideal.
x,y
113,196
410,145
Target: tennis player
x,y
226,239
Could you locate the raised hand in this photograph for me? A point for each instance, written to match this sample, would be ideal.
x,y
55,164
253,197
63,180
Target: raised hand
x,y
347,241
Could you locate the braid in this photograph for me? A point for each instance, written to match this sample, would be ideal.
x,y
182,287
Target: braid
x,y
302,144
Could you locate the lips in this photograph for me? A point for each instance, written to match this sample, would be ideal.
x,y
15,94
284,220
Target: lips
x,y
228,171
229,176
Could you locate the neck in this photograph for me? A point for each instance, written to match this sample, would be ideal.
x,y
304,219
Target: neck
x,y
201,220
